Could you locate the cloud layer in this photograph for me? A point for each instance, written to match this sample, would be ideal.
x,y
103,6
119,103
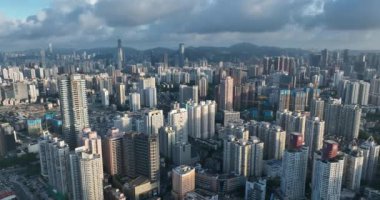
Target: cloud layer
x,y
148,23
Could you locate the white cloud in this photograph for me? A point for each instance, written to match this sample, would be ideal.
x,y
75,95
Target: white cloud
x,y
147,23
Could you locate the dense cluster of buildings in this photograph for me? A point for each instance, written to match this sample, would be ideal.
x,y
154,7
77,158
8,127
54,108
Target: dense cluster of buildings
x,y
199,130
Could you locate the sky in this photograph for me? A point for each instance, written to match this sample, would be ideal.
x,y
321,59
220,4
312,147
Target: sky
x,y
142,24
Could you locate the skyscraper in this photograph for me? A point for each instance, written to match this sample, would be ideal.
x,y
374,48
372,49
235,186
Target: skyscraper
x,y
129,154
243,157
226,90
350,121
113,152
167,139
296,122
105,97
353,166
92,142
332,116
147,156
314,133
187,93
356,92
294,168
91,168
56,152
120,55
203,87
178,119
153,121
284,100
298,100
74,111
147,90
134,101
183,181
120,93
276,143
181,154
86,175
181,55
317,107
327,172
255,190
374,92
201,119
371,158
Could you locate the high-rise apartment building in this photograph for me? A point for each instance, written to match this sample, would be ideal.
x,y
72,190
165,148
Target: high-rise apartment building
x,y
113,152
203,87
105,97
374,92
298,100
92,142
332,116
181,154
284,100
147,157
187,93
120,93
353,166
276,143
317,108
327,172
55,153
255,189
315,129
178,119
226,94
148,92
183,181
167,138
294,168
201,119
91,168
350,121
371,158
153,121
74,110
134,101
243,157
356,92
86,175
296,122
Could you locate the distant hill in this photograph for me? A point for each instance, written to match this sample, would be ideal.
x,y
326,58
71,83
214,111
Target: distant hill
x,y
242,52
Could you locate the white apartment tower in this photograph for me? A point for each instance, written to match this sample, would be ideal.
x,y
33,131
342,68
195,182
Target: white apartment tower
x,y
371,158
134,101
314,133
201,119
294,168
74,110
327,172
178,119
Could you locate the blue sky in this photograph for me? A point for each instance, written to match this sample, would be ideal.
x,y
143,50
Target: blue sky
x,y
20,9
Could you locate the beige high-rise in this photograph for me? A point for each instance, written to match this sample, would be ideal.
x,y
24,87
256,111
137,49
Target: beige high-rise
x,y
183,181
91,168
113,152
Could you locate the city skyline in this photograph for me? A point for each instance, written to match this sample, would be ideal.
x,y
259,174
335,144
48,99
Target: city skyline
x,y
221,108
